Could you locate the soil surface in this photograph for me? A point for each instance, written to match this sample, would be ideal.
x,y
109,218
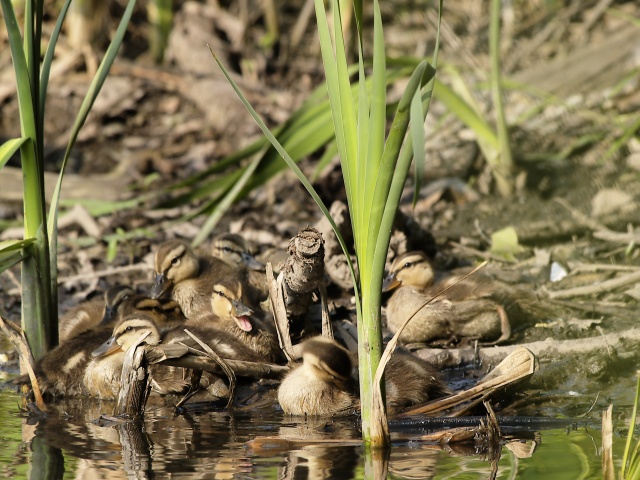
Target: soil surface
x,y
576,147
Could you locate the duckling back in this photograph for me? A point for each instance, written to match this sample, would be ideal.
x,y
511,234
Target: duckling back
x,y
233,249
87,315
410,380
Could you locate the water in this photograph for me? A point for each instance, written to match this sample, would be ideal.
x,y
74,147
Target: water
x,y
221,445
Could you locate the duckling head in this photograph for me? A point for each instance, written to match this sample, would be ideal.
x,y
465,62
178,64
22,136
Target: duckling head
x,y
226,304
174,262
326,360
130,329
232,249
411,268
114,299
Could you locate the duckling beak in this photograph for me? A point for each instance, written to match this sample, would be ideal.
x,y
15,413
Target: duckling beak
x,y
251,262
241,314
160,286
107,348
390,282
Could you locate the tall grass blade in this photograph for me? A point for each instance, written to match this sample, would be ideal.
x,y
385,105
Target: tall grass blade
x,y
289,161
417,140
225,203
336,92
8,148
13,252
85,108
628,455
466,114
419,152
48,58
376,126
503,172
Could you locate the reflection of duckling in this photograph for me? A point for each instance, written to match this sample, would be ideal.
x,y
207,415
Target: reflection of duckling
x,y
102,375
233,250
323,386
98,310
467,310
234,317
187,276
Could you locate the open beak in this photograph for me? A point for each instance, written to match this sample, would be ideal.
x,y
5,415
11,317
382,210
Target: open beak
x,y
251,262
107,348
390,282
241,313
160,286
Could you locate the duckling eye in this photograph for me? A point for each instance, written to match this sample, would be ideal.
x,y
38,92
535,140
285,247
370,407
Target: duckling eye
x,y
220,294
407,265
128,329
175,261
228,249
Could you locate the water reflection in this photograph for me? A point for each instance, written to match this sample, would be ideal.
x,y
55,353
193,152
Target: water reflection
x,y
68,443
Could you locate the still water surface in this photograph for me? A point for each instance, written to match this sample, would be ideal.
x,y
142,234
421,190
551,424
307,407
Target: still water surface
x,y
218,445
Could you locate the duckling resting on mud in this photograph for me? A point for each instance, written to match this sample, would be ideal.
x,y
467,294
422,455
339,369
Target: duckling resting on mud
x,y
323,385
476,308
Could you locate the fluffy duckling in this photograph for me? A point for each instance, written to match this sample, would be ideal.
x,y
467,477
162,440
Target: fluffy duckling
x,y
187,276
102,374
410,380
234,317
234,251
322,385
61,370
87,315
467,310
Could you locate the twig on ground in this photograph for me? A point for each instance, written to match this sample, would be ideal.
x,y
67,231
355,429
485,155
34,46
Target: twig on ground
x,y
602,287
17,338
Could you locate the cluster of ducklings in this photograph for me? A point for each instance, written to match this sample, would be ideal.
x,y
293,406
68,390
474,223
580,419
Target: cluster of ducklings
x,y
207,294
218,297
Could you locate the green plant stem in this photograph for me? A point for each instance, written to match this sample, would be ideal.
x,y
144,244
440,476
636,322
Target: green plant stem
x,y
503,172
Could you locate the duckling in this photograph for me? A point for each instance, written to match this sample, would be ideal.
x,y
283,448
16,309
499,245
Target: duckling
x,y
102,374
233,316
61,370
187,276
322,385
411,380
98,310
467,310
233,250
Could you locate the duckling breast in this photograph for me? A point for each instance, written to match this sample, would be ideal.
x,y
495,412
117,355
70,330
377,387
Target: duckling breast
x,y
304,394
102,376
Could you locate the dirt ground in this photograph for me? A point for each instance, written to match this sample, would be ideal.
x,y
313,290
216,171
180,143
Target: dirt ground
x,y
577,154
